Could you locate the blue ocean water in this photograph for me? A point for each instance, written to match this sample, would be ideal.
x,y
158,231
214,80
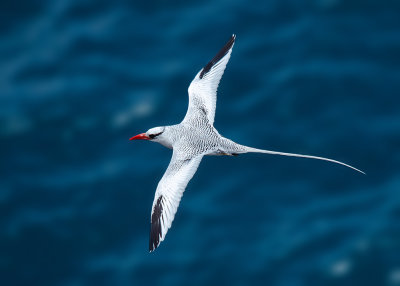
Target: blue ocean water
x,y
79,78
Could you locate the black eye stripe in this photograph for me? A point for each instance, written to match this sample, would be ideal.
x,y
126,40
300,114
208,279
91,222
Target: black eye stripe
x,y
152,136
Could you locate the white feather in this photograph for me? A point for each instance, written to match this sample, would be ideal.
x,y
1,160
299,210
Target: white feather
x,y
203,91
172,185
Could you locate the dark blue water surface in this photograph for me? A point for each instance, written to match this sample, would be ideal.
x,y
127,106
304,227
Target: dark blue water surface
x,y
79,78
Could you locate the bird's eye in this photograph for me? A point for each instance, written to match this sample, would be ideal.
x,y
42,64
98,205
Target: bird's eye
x,y
152,136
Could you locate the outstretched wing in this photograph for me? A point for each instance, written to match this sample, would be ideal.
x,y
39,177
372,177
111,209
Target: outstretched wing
x,y
203,88
168,195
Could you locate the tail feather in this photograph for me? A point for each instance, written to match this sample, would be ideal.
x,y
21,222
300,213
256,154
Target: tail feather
x,y
254,150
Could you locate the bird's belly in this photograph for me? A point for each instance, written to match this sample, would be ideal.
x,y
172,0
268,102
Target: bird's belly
x,y
220,152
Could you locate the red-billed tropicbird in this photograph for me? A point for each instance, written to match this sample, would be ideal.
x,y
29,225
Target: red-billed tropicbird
x,y
190,140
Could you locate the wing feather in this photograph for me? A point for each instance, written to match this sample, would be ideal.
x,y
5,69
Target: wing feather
x,y
168,195
203,88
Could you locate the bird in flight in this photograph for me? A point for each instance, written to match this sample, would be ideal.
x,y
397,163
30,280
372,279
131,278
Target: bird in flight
x,y
193,138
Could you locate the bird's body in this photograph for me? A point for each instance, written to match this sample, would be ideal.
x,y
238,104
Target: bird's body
x,y
200,139
192,139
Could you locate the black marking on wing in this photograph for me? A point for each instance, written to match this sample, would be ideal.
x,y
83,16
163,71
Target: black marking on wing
x,y
203,109
155,228
218,56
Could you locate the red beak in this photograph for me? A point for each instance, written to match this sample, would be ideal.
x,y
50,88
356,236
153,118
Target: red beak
x,y
141,136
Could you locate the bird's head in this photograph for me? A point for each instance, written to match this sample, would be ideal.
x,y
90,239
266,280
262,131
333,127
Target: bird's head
x,y
156,134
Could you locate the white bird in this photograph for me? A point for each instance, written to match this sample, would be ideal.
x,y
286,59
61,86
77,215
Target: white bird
x,y
190,140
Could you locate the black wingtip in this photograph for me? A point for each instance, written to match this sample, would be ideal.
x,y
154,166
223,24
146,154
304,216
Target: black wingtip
x,y
155,227
225,49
